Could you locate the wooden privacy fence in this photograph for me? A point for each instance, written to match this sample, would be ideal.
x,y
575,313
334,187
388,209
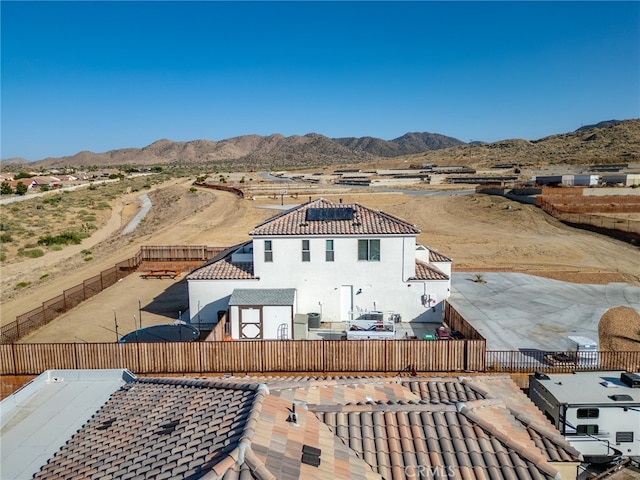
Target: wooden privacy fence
x,y
54,307
455,321
309,356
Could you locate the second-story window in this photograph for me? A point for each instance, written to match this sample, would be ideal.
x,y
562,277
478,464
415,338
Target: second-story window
x,y
306,252
369,250
329,251
268,251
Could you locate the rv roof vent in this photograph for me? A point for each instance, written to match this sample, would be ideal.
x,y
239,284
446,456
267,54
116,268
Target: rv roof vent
x,y
630,379
541,376
621,398
608,384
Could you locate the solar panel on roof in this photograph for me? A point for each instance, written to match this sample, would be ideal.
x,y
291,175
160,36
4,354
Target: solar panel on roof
x,y
333,213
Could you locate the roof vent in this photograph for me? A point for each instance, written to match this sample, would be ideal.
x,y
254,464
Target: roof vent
x,y
168,428
541,376
621,398
311,455
292,418
608,384
106,424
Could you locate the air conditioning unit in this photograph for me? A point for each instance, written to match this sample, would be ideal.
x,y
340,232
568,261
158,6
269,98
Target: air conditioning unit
x,y
630,379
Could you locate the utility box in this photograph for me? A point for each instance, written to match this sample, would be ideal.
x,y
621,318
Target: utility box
x,y
584,351
300,326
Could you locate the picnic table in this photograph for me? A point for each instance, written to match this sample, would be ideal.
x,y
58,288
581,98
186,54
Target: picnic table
x,y
161,273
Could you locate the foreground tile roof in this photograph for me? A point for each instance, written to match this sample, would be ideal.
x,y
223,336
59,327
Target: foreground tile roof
x,y
466,428
364,221
160,428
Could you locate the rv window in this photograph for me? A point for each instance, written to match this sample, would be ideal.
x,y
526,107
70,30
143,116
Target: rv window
x,y
587,429
624,437
588,413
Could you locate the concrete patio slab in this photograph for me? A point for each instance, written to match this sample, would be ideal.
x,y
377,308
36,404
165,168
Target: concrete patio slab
x,y
515,311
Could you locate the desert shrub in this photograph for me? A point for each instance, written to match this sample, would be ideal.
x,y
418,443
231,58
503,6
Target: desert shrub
x,y
3,256
52,200
22,285
55,248
6,238
31,253
193,189
88,258
65,238
43,276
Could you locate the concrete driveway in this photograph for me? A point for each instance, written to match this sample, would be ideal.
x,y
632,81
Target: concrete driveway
x,y
514,311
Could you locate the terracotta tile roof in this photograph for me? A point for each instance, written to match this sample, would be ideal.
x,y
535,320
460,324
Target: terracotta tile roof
x,y
161,428
365,221
278,445
397,439
503,434
224,270
540,432
426,271
466,428
437,257
448,390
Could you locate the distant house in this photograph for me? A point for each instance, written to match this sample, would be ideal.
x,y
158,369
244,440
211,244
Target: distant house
x,y
110,424
28,182
51,182
337,261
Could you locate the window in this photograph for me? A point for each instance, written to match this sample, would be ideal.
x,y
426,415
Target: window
x,y
587,429
268,251
369,250
588,413
306,253
329,251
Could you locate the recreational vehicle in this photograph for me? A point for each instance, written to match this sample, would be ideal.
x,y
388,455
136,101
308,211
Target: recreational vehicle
x,y
597,412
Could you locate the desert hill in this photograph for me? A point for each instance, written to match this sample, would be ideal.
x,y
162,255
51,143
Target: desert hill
x,y
611,141
607,142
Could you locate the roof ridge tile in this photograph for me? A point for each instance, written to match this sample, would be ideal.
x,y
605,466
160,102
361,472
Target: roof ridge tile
x,y
471,410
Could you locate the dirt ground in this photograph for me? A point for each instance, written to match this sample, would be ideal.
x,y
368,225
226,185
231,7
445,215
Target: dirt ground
x,y
478,232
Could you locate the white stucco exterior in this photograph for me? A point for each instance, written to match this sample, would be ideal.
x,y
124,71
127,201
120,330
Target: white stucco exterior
x,y
332,284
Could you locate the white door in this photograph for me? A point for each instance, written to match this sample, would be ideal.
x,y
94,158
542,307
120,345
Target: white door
x,y
346,301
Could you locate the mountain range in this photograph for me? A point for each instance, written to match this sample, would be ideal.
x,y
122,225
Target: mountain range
x,y
621,139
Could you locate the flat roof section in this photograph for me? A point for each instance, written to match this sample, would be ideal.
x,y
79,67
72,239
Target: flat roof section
x,y
37,420
590,388
515,311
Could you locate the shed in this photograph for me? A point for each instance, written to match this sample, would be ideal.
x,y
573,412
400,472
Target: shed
x,y
262,314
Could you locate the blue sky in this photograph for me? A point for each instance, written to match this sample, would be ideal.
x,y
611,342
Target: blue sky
x,y
105,75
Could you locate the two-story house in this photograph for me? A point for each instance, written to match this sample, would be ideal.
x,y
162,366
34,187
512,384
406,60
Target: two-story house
x,y
321,257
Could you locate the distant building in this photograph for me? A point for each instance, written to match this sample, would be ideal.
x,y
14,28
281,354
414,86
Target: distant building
x,y
626,180
568,180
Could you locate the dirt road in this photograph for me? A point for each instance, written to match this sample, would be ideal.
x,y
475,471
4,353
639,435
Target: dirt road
x,y
476,231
